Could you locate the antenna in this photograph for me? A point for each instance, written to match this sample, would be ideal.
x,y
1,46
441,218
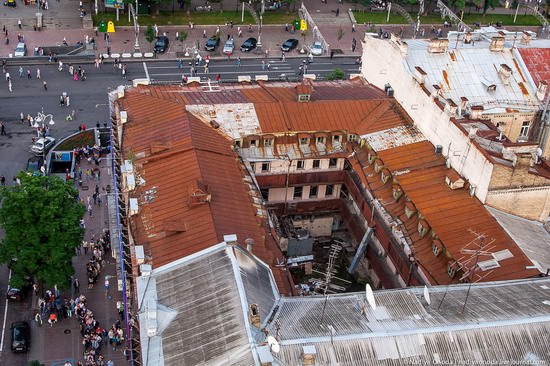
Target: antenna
x,y
273,344
329,274
427,295
370,297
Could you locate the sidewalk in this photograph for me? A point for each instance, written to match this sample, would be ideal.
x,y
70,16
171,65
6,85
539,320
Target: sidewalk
x,y
63,342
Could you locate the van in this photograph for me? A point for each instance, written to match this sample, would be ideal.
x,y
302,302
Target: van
x,y
20,50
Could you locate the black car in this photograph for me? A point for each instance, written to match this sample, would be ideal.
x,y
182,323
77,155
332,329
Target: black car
x,y
20,337
289,45
15,293
34,164
249,44
212,43
162,44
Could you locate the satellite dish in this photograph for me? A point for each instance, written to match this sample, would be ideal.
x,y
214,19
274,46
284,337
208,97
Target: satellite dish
x,y
427,295
370,297
539,152
273,344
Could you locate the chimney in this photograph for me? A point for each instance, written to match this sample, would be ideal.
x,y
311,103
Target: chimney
x,y
249,244
308,355
476,112
504,73
438,45
230,239
436,92
526,38
254,315
497,43
451,106
419,75
463,105
468,38
542,88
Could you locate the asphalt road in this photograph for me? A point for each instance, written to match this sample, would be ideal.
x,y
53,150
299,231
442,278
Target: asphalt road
x,y
90,102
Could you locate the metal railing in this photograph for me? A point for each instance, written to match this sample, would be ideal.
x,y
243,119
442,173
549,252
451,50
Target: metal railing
x,y
304,14
446,12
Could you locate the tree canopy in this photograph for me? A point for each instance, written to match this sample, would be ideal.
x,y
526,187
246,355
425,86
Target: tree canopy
x,y
41,222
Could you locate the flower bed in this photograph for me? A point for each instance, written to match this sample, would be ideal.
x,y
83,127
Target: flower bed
x,y
86,138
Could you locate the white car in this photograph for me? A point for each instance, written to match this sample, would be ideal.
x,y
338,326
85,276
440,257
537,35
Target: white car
x,y
42,145
20,50
317,48
228,46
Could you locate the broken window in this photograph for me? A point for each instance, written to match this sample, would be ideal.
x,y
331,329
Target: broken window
x,y
316,164
313,191
298,193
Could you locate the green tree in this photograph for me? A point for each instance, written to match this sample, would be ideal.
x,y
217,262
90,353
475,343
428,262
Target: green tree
x,y
412,3
336,74
41,222
157,3
182,36
458,6
150,35
487,4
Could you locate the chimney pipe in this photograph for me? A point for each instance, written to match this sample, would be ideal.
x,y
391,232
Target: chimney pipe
x,y
249,244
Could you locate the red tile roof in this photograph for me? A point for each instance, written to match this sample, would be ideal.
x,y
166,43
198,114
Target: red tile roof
x,y
193,152
537,61
451,214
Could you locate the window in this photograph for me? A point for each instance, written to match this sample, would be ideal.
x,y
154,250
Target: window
x,y
264,193
268,142
335,138
298,193
316,164
320,140
300,164
238,143
525,129
451,269
385,176
436,247
352,137
253,142
329,191
313,191
332,162
303,97
265,167
304,141
253,167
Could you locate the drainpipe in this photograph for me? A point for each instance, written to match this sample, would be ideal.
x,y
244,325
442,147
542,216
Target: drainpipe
x,y
544,122
286,183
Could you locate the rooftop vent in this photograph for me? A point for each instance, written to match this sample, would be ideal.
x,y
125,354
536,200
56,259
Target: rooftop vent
x,y
488,264
438,45
453,180
451,106
254,315
419,75
542,88
504,73
214,124
249,244
308,355
199,194
123,117
230,239
463,105
526,38
497,44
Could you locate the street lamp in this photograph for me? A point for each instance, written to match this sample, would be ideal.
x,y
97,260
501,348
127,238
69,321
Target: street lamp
x,y
259,44
41,119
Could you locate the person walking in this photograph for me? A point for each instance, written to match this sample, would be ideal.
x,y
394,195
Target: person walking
x,y
2,128
239,61
29,74
90,211
337,11
10,86
263,66
353,44
38,319
38,73
20,71
331,54
106,285
19,23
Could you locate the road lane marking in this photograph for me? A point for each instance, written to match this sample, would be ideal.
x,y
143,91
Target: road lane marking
x,y
146,72
5,318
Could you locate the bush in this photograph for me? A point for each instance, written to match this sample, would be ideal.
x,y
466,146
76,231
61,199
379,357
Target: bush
x,y
336,74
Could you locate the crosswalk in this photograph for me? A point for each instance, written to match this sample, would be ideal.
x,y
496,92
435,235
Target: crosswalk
x,y
230,70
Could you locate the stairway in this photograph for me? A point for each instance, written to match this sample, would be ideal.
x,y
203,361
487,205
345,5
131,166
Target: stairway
x,y
331,19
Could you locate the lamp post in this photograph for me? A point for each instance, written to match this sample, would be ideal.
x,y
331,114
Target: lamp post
x,y
41,119
261,23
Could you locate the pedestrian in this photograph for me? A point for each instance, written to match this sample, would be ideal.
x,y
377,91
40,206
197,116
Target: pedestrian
x,y
286,27
10,86
29,74
2,132
22,118
263,65
353,28
110,363
229,56
204,33
353,45
331,54
218,77
61,101
38,73
68,101
85,243
106,285
239,61
38,318
283,57
90,211
206,68
60,68
19,23
20,71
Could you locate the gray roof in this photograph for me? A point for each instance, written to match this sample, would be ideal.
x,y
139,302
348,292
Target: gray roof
x,y
531,236
502,321
200,308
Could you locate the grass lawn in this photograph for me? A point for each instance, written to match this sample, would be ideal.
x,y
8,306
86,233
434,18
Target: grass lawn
x,y
380,18
198,18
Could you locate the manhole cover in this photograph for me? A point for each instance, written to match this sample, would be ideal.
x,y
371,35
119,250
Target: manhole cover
x,y
67,331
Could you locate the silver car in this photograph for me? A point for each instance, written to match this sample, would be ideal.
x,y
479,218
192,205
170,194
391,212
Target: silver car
x,y
20,50
228,46
42,145
317,48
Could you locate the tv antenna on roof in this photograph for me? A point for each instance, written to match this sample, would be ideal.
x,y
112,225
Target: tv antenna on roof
x,y
329,275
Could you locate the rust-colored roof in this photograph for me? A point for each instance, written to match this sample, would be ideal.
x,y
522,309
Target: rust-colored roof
x,y
450,213
194,152
537,61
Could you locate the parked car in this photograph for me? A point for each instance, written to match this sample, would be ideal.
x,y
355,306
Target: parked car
x,y
273,6
162,44
212,43
16,294
42,145
34,164
20,337
20,50
229,46
289,45
249,44
317,48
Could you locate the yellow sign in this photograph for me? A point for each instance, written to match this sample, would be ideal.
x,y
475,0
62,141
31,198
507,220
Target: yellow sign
x,y
110,27
303,25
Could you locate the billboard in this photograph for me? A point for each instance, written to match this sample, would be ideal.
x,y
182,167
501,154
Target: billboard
x,y
116,4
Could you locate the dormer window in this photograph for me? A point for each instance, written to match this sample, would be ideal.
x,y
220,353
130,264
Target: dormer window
x,y
304,97
385,176
371,156
253,142
304,141
452,268
409,209
423,228
378,166
437,247
352,137
336,139
321,140
396,192
268,142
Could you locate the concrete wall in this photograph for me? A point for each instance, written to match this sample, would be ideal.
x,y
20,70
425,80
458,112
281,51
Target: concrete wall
x,y
383,63
530,203
278,194
319,226
281,166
